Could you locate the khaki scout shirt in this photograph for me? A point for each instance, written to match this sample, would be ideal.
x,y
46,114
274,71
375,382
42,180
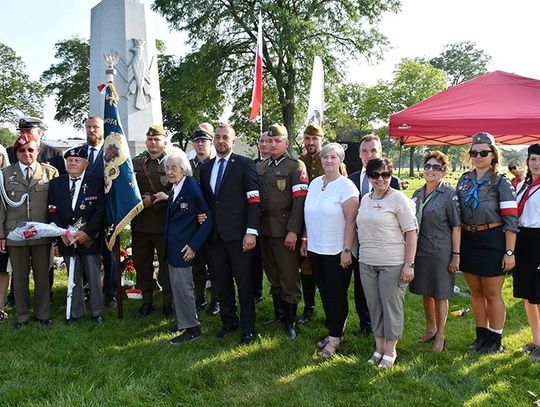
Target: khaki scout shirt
x,y
283,190
34,208
151,181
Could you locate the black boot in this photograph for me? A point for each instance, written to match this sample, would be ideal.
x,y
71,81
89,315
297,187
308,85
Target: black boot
x,y
492,345
279,312
290,319
481,337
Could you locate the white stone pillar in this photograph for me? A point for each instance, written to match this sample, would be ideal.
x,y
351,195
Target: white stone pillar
x,y
126,27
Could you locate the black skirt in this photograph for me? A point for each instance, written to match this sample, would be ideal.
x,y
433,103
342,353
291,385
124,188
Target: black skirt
x,y
526,274
482,252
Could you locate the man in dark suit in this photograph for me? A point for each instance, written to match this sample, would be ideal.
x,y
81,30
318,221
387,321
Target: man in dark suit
x,y
76,198
370,148
94,149
231,188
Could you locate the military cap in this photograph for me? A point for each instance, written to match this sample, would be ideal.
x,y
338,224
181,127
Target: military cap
x,y
483,138
533,149
28,122
23,140
76,152
277,129
202,132
314,130
155,130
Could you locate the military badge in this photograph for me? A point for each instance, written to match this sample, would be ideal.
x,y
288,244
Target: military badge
x,y
184,206
281,184
82,207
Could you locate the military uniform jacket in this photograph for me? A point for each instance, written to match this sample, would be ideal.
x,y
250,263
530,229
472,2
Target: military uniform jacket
x,y
314,166
496,200
150,181
90,206
34,209
283,189
196,167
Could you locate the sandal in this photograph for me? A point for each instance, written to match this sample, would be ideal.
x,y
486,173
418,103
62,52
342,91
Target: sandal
x,y
387,361
3,315
375,358
329,350
323,342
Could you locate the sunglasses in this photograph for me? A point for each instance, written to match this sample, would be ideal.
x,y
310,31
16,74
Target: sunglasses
x,y
512,168
434,167
483,153
384,174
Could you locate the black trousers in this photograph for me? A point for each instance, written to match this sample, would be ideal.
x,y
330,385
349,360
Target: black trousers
x,y
333,284
232,265
360,302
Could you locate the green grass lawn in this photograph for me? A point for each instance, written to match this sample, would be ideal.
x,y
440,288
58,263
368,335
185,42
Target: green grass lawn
x,y
130,362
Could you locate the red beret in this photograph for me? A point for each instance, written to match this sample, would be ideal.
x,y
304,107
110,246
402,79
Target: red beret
x,y
23,140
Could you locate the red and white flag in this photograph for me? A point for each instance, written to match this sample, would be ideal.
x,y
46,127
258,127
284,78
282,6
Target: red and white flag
x,y
256,99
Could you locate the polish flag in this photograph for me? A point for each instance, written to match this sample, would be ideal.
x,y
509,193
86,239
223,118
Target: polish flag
x,y
256,99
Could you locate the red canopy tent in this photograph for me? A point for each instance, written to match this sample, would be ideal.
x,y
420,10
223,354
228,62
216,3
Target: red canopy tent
x,y
503,104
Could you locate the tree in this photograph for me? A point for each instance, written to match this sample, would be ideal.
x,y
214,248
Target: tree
x,y
294,32
18,94
461,61
7,138
69,81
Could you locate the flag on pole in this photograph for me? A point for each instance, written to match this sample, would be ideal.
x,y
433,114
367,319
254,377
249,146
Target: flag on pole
x,y
315,114
256,99
122,197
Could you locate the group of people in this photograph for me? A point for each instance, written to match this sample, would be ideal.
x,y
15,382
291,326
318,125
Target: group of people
x,y
224,218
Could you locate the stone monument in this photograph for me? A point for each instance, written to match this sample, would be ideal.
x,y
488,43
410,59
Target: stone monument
x,y
122,40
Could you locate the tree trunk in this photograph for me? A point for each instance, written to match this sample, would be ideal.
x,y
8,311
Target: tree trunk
x,y
411,161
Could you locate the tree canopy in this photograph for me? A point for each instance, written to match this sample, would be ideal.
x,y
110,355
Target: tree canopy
x,y
18,94
293,31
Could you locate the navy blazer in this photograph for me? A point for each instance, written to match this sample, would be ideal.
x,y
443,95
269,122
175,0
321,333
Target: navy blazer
x,y
90,206
355,177
236,208
181,226
96,167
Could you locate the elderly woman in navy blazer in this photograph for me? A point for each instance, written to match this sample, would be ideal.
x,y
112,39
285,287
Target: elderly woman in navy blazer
x,y
184,236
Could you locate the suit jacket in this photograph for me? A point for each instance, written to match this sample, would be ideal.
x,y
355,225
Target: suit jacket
x,y
96,167
35,209
355,177
90,206
181,226
236,208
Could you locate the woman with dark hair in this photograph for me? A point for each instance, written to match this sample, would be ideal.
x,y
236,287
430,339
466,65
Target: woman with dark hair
x,y
489,225
437,251
527,275
387,244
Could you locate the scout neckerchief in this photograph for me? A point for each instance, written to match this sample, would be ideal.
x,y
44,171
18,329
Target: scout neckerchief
x,y
521,205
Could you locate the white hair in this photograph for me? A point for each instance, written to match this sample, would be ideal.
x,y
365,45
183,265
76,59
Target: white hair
x,y
178,155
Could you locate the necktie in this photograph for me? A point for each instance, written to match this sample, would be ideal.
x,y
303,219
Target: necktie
x,y
91,156
72,189
219,175
29,174
365,185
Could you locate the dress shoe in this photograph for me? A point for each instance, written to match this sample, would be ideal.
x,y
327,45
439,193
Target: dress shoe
x,y
188,335
214,308
223,332
145,310
111,302
247,338
307,315
167,311
97,319
44,322
20,324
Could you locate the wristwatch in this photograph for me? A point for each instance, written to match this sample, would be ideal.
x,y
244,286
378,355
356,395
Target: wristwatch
x,y
346,250
509,252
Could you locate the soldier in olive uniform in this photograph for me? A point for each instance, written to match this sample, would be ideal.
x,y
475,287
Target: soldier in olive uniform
x,y
283,190
27,176
202,272
148,227
313,142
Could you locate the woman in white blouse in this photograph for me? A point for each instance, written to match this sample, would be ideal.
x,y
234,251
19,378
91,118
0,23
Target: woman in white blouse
x,y
387,237
527,273
330,210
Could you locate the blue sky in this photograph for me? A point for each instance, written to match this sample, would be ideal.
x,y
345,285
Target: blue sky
x,y
508,31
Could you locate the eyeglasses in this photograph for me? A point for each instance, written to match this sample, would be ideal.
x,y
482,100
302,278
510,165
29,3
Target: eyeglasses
x,y
384,174
24,150
434,167
512,168
483,153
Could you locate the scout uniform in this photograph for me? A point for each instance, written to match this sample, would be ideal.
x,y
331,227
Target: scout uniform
x,y
148,230
283,190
